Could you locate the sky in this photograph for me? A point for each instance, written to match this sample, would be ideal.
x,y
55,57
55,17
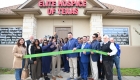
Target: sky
x,y
132,4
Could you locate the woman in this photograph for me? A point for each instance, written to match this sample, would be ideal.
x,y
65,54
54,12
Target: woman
x,y
19,63
56,60
46,60
62,62
36,66
65,61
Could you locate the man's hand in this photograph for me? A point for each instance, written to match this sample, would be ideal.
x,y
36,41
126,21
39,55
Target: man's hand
x,y
84,52
74,49
35,62
67,58
109,54
92,52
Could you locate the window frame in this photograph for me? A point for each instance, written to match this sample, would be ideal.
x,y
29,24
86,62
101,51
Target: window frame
x,y
11,26
120,26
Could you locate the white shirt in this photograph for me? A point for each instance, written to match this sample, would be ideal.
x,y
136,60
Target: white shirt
x,y
83,45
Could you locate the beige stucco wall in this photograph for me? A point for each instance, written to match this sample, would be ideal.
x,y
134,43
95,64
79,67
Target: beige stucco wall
x,y
10,22
47,26
6,56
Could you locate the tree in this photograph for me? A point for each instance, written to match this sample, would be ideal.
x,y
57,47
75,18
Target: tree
x,y
136,31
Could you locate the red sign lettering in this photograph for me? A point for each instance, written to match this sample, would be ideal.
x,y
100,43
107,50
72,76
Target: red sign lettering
x,y
51,11
66,4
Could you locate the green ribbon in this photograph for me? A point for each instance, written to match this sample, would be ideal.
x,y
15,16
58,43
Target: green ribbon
x,y
64,52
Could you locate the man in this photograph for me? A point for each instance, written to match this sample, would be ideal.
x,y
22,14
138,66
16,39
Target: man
x,y
108,59
41,42
28,42
88,39
78,62
101,72
72,44
28,47
116,58
55,35
94,57
84,58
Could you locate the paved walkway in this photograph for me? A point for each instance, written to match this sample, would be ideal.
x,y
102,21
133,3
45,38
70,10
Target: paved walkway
x,y
65,75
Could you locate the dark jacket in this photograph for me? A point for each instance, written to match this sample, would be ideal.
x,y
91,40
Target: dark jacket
x,y
46,60
96,46
28,42
34,50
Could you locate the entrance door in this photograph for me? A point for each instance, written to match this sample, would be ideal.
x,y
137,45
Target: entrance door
x,y
62,31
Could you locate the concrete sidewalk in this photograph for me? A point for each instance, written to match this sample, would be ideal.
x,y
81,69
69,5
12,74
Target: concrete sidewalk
x,y
65,76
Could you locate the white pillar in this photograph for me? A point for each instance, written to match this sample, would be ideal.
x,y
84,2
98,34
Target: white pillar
x,y
96,24
29,26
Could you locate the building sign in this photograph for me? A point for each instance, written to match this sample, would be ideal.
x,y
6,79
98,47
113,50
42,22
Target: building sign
x,y
120,34
10,35
65,7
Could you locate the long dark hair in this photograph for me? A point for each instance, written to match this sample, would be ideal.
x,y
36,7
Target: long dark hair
x,y
35,41
66,39
62,41
18,42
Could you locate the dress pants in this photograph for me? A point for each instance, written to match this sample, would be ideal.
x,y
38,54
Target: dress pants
x,y
83,70
73,67
108,66
101,71
94,69
56,60
36,70
66,63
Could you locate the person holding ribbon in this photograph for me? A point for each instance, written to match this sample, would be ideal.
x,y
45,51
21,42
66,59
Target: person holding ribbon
x,y
46,60
84,59
36,65
94,57
108,59
72,44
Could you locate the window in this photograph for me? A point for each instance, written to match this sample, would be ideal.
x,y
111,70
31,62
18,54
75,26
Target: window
x,y
10,35
120,34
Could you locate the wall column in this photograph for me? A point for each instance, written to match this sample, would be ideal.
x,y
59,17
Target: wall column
x,y
29,26
96,24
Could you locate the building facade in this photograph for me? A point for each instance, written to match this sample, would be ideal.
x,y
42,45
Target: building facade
x,y
83,17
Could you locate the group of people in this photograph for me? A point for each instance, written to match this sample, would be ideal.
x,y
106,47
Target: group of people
x,y
80,65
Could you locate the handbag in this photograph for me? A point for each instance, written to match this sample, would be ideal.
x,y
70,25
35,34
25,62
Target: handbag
x,y
24,74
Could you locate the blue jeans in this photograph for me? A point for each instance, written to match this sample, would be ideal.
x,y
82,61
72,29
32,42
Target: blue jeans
x,y
116,60
19,71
